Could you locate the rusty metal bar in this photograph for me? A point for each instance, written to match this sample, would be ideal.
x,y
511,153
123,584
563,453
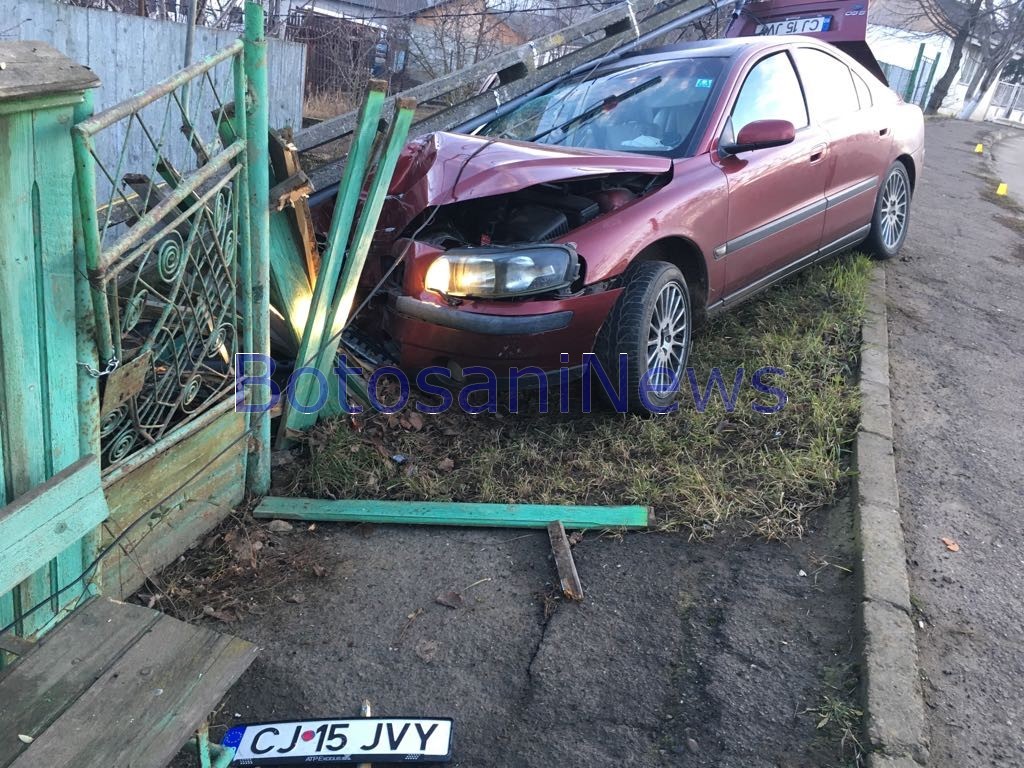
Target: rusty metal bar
x,y
139,101
189,184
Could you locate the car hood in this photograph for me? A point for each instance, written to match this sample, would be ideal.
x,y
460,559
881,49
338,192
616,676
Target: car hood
x,y
442,168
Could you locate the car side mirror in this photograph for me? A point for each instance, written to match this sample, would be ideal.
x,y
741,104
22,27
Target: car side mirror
x,y
759,134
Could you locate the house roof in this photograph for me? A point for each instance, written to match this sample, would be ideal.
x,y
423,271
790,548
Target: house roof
x,y
372,9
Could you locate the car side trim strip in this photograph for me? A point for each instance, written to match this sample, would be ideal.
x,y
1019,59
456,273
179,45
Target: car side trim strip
x,y
851,192
475,322
814,256
844,242
776,226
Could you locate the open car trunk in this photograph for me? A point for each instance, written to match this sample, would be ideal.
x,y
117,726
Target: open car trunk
x,y
843,23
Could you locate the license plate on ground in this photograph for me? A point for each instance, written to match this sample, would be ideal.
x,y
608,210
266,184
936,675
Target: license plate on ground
x,y
795,26
339,742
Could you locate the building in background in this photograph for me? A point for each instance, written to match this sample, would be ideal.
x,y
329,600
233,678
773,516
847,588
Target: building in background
x,y
914,54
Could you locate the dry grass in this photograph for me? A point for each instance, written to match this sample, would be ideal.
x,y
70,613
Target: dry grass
x,y
327,104
699,471
837,716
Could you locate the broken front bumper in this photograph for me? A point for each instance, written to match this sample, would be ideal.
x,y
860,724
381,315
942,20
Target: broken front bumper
x,y
548,334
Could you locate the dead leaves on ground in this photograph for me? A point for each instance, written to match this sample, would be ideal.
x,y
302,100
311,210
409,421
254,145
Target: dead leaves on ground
x,y
237,570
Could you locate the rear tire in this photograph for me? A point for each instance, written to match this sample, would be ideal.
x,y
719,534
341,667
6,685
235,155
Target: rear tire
x,y
891,218
651,324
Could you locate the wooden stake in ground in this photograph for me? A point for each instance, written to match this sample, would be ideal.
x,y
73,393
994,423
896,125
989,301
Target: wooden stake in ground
x,y
570,580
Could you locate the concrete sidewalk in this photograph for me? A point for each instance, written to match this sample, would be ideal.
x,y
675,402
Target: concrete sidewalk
x,y
956,326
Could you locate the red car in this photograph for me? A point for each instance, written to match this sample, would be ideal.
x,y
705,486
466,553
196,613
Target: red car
x,y
619,209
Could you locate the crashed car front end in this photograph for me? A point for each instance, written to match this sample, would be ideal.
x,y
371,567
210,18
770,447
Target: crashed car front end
x,y
487,252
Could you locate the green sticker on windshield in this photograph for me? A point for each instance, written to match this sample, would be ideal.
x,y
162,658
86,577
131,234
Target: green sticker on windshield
x,y
704,82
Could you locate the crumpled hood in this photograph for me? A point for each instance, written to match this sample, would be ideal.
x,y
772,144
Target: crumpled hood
x,y
442,168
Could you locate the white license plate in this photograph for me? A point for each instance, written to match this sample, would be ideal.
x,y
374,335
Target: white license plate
x,y
350,740
795,26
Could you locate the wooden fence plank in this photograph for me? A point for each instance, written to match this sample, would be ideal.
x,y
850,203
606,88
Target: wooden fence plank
x,y
23,337
143,708
54,170
49,519
451,513
567,575
44,683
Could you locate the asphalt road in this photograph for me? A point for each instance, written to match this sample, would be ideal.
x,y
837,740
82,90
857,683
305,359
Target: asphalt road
x,y
957,357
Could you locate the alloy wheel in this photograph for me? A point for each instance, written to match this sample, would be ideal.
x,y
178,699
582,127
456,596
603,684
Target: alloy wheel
x,y
894,209
668,336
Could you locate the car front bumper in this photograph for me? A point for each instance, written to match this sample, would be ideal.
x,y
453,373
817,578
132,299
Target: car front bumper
x,y
547,334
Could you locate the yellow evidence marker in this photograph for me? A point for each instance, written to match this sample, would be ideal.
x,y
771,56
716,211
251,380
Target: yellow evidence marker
x,y
979,149
1001,189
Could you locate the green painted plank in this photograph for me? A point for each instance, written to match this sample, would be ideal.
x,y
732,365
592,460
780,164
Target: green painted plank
x,y
345,205
55,267
52,517
452,513
25,428
352,268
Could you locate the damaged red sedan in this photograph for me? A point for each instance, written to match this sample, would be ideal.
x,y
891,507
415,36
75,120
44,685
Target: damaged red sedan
x,y
619,209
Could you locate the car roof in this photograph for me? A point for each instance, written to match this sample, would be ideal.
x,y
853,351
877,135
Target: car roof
x,y
726,47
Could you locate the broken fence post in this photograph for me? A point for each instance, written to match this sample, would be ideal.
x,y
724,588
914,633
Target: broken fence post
x,y
567,575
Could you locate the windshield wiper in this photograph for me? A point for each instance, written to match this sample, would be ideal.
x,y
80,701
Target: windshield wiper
x,y
604,105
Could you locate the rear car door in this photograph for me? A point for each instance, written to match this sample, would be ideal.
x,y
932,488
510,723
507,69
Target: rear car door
x,y
776,195
858,141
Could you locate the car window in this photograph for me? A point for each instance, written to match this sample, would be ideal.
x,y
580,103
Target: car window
x,y
828,84
863,91
770,92
650,107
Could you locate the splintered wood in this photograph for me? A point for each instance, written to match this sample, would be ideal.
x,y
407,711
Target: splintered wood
x,y
570,580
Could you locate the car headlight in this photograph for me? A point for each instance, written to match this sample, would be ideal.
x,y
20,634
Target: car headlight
x,y
490,273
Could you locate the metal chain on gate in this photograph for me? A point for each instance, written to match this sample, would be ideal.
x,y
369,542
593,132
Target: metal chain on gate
x,y
112,364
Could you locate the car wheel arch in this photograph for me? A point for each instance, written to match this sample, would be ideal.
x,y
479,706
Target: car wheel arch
x,y
687,257
908,163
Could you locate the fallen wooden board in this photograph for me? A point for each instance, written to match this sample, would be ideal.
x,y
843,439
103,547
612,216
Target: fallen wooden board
x,y
567,575
451,513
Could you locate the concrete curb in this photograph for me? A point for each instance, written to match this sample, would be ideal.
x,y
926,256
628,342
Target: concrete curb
x,y
894,721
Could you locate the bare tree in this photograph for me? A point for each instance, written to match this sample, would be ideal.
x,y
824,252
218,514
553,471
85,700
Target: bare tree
x,y
1000,32
456,34
958,20
995,26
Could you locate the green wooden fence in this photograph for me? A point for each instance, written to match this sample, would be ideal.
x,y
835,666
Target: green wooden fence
x,y
125,294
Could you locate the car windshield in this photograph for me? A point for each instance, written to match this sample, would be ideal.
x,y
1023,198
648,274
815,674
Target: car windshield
x,y
652,107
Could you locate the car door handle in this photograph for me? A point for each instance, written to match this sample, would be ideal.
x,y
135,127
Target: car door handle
x,y
883,131
818,152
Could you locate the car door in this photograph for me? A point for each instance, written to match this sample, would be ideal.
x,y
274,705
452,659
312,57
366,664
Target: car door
x,y
776,195
858,141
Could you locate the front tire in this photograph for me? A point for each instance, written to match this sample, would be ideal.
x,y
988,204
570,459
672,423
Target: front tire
x,y
651,324
892,214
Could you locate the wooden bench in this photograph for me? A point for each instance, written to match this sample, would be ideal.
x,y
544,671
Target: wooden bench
x,y
114,685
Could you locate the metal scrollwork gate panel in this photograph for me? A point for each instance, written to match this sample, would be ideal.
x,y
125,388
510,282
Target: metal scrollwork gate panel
x,y
162,186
